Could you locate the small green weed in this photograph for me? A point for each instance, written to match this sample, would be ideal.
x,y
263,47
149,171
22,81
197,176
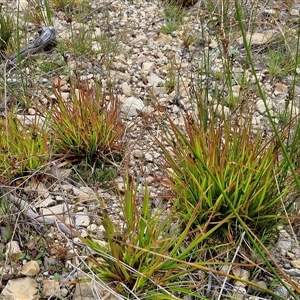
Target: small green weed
x,y
173,15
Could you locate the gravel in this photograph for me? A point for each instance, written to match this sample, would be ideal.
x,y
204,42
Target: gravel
x,y
130,54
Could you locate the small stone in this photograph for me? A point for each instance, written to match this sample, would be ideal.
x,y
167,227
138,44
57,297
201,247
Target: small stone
x,y
22,5
213,44
45,202
92,228
12,248
154,80
294,12
257,38
149,157
50,289
31,268
127,91
31,111
221,110
85,288
280,87
53,211
296,264
260,283
136,153
239,293
132,106
120,184
81,219
83,197
148,67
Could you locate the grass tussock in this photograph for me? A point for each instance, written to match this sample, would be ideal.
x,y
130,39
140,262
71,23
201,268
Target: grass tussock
x,y
87,126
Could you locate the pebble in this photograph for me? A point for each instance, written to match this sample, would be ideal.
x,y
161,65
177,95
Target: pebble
x,y
31,268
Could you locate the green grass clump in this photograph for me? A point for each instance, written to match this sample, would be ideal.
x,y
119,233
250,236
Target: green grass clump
x,y
173,15
24,147
86,127
144,256
6,30
229,172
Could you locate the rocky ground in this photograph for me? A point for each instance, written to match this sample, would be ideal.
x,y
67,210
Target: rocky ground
x,y
122,44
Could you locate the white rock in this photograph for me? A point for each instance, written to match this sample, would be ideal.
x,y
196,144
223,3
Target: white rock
x,y
239,293
21,289
12,248
82,219
126,89
45,202
149,157
294,12
31,268
87,189
260,106
213,44
53,211
148,67
131,106
296,263
92,227
154,80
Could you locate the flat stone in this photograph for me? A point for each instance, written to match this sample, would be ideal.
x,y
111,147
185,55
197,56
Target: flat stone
x,y
155,80
51,289
22,4
81,219
257,38
221,110
87,190
84,291
57,210
31,268
21,289
131,106
49,201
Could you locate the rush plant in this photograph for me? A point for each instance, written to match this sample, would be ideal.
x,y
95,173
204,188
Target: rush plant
x,y
25,146
227,169
87,126
144,257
